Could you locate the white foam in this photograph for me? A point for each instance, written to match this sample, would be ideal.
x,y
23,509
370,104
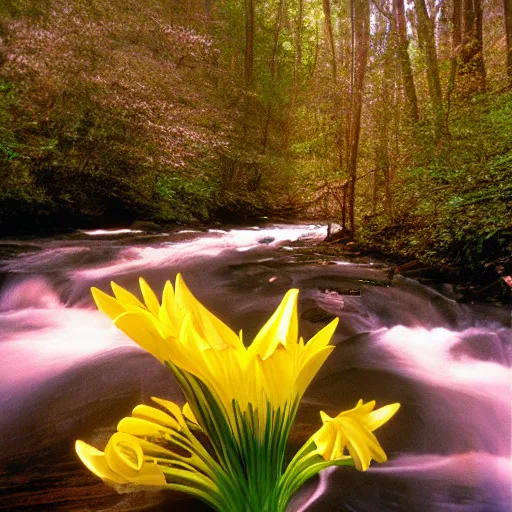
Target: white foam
x,y
133,259
467,468
425,355
64,337
99,232
31,293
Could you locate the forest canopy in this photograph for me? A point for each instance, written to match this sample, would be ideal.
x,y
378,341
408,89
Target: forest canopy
x,y
392,118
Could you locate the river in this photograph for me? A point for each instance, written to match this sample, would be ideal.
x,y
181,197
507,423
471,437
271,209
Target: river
x,y
66,373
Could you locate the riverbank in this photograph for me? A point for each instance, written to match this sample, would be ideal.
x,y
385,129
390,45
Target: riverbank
x,y
488,281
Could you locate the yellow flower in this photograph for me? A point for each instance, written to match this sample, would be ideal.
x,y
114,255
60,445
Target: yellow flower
x,y
146,437
156,327
276,368
352,430
122,465
243,399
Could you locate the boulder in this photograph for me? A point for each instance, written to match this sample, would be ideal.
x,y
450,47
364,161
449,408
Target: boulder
x,y
145,225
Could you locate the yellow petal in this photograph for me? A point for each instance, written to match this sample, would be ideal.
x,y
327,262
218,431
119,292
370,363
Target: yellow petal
x,y
325,417
125,297
311,366
362,444
321,338
190,338
140,427
382,415
352,430
280,374
167,327
364,413
139,326
282,327
154,415
214,331
124,455
325,439
148,474
96,462
149,297
187,413
169,310
107,304
361,411
173,408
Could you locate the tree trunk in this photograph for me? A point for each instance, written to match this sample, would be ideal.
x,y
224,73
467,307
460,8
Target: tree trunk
x,y
426,29
298,43
471,68
443,31
375,189
249,43
342,90
330,36
456,41
248,64
360,14
297,71
383,121
507,8
403,58
313,66
273,61
344,208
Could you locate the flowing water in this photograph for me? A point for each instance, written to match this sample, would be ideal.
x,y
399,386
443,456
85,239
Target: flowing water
x,y
66,373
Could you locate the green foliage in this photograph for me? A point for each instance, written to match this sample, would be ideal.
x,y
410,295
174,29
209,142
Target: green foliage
x,y
182,200
112,111
7,137
454,203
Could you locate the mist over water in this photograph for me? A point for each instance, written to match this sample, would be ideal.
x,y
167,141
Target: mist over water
x,y
67,373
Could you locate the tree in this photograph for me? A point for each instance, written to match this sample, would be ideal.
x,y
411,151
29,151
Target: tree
x,y
330,36
383,85
471,68
297,70
507,11
249,42
455,47
426,33
405,62
272,68
360,17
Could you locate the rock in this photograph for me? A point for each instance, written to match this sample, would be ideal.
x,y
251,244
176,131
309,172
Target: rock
x,y
498,291
316,315
341,236
266,240
145,225
351,246
411,265
391,274
418,270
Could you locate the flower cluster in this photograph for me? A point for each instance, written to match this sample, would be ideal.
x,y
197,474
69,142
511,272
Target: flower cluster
x,y
243,399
